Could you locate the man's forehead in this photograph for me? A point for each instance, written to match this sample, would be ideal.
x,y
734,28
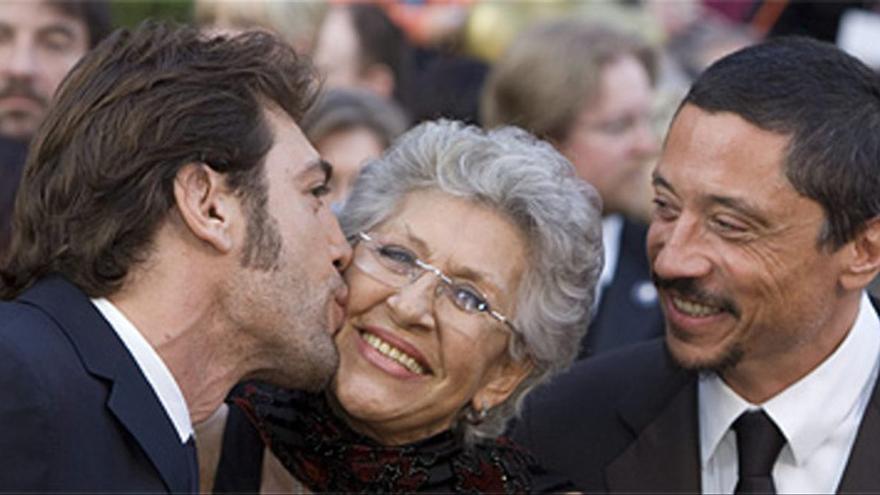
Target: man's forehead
x,y
720,153
724,138
291,147
38,14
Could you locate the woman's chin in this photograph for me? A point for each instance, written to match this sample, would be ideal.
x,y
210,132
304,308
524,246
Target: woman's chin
x,y
362,399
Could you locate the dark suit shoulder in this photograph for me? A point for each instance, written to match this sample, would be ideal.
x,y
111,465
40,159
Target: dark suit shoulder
x,y
66,437
610,374
25,377
32,334
573,425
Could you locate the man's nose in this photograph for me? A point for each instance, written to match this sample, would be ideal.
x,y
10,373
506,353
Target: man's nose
x,y
679,250
340,249
22,60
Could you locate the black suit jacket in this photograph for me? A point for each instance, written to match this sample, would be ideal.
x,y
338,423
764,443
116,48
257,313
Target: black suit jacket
x,y
627,422
627,313
77,413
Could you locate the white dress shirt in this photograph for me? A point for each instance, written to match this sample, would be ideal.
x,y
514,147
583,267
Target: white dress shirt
x,y
819,416
612,230
151,365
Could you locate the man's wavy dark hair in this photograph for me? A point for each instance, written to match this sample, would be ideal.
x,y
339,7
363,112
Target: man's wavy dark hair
x,y
138,107
828,102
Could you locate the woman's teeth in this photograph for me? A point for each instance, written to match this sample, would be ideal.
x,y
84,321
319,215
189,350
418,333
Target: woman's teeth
x,y
394,353
694,309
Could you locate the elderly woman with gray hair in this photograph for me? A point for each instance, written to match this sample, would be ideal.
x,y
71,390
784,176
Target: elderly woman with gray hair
x,y
476,256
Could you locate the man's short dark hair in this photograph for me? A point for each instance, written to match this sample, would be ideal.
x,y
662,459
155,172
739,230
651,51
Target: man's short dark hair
x,y
828,102
137,108
95,14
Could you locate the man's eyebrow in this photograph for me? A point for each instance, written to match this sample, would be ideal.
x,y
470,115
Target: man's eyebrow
x,y
657,180
57,28
742,206
318,165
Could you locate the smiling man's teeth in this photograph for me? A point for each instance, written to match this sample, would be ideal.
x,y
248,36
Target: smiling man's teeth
x,y
394,353
694,309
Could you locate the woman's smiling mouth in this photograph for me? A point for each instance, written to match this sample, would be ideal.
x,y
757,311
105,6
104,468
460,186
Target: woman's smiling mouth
x,y
413,364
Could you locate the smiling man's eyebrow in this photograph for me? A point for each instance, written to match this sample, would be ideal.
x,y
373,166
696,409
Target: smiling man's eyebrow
x,y
741,205
657,180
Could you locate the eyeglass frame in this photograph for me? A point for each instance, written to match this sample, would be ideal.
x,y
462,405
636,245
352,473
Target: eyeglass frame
x,y
445,279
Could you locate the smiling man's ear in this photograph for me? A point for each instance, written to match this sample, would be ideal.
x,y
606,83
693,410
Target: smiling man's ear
x,y
205,204
863,262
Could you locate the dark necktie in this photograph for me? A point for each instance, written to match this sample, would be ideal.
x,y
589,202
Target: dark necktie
x,y
758,442
193,464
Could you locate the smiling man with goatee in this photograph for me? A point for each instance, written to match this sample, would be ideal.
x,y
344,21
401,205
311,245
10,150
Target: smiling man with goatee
x,y
764,237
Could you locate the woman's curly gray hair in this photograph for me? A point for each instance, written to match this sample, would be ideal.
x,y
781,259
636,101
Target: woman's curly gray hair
x,y
529,182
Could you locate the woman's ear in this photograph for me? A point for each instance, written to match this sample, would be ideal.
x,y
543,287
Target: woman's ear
x,y
206,205
863,257
503,380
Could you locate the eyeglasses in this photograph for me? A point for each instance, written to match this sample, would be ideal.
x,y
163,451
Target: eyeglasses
x,y
623,125
397,266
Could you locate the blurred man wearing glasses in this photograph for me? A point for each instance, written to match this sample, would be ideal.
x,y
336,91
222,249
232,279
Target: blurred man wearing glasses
x,y
589,90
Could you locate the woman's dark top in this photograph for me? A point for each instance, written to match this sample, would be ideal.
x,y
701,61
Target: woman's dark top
x,y
323,453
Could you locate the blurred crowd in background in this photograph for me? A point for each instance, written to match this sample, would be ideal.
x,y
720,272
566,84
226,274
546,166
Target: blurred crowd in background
x,y
389,65
599,80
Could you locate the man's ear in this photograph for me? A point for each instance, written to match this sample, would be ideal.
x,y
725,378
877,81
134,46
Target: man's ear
x,y
205,204
504,379
863,262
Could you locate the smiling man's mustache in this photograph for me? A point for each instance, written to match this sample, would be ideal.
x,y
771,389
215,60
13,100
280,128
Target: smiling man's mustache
x,y
689,289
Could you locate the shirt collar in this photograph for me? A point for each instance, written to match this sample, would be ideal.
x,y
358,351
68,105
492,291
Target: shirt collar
x,y
807,411
153,368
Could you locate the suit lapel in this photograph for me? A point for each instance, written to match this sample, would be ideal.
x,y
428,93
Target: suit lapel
x,y
147,421
131,398
861,474
664,456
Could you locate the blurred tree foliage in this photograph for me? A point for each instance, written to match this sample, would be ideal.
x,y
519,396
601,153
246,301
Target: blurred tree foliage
x,y
129,13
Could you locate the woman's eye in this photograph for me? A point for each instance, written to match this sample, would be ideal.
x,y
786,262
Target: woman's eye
x,y
468,299
397,254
